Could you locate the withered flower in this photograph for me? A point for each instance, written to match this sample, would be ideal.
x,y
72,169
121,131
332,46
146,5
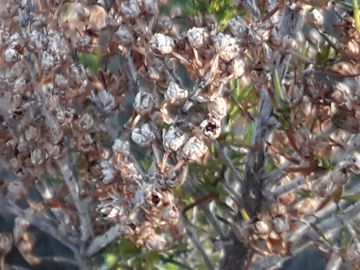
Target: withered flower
x,y
162,44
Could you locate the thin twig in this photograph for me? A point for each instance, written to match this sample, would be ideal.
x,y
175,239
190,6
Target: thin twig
x,y
198,245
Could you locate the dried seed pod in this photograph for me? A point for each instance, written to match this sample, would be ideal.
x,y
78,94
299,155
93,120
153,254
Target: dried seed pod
x,y
155,242
306,206
162,44
173,139
170,214
194,149
324,188
143,136
65,116
281,224
175,12
54,151
211,128
107,100
287,198
47,61
154,198
61,81
275,40
226,46
124,36
237,67
197,37
6,243
20,85
218,107
165,23
38,156
15,190
238,27
353,162
144,102
130,9
121,147
32,133
16,40
150,7
113,208
262,228
315,17
11,55
339,177
174,94
108,172
86,122
20,228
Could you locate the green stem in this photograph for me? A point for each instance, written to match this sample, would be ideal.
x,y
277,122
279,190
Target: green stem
x,y
356,15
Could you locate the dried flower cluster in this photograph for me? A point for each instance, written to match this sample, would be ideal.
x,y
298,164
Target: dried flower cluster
x,y
143,201
106,107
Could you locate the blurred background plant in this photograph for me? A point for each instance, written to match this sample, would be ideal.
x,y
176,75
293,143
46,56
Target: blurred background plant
x,y
195,134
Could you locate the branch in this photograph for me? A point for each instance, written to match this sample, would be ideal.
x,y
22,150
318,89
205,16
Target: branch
x,y
103,240
253,184
37,221
81,206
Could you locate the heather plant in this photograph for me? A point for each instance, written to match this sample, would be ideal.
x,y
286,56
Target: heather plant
x,y
144,134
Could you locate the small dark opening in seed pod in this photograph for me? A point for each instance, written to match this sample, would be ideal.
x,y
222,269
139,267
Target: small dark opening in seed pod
x,y
132,226
210,127
155,199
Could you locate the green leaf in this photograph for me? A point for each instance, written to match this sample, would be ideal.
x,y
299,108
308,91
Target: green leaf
x,y
90,61
345,237
171,266
110,260
324,162
219,189
127,248
352,198
324,54
279,94
249,133
151,258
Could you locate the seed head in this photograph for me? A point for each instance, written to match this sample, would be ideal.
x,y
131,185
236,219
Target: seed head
x,y
226,46
174,94
162,44
173,139
143,103
143,136
197,37
194,149
121,147
211,128
11,55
